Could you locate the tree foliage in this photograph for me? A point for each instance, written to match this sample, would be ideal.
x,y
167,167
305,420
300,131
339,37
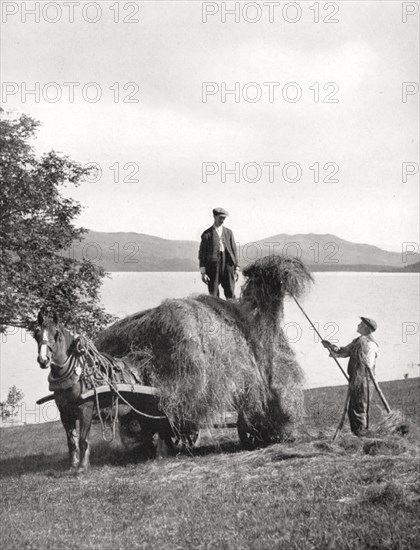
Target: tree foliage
x,y
37,227
10,407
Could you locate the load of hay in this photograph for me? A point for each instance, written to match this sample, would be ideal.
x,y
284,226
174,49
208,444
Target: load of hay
x,y
208,356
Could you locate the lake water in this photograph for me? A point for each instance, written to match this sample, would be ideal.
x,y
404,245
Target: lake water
x,y
334,305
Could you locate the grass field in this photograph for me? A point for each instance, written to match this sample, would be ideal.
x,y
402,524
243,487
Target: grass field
x,y
353,494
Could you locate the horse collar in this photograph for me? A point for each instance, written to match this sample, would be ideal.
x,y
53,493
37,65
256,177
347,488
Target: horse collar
x,y
66,379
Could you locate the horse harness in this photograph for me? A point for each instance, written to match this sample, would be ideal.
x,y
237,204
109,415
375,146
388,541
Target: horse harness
x,y
84,363
64,376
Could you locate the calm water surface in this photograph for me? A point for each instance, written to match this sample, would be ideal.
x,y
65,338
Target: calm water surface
x,y
334,304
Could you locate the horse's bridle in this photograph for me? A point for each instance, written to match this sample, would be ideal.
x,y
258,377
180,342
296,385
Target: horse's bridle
x,y
69,368
49,361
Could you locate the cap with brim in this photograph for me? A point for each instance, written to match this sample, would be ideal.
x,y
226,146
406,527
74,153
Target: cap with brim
x,y
370,323
220,212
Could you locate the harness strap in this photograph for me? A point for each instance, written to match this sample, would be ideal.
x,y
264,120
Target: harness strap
x,y
97,367
68,365
101,367
113,421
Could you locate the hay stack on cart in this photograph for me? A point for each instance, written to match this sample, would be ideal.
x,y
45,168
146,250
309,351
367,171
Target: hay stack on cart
x,y
208,356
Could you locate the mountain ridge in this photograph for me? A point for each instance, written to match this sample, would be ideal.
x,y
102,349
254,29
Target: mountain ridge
x,y
131,251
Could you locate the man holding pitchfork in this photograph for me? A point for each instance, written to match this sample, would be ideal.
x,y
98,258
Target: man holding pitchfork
x,y
363,352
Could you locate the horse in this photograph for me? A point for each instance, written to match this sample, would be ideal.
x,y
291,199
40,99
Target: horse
x,y
76,366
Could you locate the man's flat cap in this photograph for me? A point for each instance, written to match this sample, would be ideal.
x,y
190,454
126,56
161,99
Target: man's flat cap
x,y
220,212
370,323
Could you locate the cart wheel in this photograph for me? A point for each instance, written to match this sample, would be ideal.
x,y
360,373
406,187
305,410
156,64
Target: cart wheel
x,y
246,435
186,441
185,434
134,438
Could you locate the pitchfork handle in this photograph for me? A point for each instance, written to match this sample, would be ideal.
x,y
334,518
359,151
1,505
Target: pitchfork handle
x,y
315,329
378,389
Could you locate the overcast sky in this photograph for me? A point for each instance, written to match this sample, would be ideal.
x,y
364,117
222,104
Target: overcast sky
x,y
170,132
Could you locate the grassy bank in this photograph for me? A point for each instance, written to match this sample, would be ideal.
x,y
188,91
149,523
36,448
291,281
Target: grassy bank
x,y
311,494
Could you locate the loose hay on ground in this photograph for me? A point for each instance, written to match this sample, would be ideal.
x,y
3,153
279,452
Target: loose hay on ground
x,y
394,423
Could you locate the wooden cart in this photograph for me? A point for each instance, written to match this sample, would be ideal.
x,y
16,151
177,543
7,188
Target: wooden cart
x,y
136,430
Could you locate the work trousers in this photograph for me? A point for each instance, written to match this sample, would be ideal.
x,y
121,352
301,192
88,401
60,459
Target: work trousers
x,y
221,273
359,407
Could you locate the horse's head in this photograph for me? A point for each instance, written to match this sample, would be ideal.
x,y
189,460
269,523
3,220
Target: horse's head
x,y
53,341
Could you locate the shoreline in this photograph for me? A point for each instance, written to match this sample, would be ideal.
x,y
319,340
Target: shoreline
x,y
318,394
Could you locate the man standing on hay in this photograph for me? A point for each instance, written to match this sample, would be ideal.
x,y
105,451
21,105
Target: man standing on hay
x,y
218,256
363,352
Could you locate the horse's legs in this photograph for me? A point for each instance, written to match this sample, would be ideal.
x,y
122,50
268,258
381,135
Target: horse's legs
x,y
85,418
68,419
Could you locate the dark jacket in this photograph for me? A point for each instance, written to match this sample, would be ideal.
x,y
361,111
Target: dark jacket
x,y
210,246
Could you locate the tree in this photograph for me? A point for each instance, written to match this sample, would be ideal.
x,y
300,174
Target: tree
x,y
10,407
37,227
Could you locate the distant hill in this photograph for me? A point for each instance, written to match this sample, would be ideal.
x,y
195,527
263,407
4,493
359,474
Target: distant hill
x,y
141,252
137,252
328,251
412,268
